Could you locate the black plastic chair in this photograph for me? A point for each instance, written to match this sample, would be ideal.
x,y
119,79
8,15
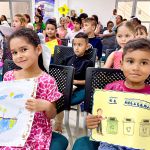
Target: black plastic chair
x,y
99,78
65,42
64,78
62,52
107,53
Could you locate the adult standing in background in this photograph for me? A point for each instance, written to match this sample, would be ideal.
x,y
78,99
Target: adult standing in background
x,y
99,26
113,17
4,21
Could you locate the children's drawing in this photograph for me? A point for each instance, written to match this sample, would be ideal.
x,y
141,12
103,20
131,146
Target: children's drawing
x,y
128,126
144,130
112,125
15,120
100,114
128,118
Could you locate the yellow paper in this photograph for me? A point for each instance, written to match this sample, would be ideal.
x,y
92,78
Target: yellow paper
x,y
125,118
51,45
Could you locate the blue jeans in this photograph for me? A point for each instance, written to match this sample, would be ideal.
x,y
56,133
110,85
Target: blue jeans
x,y
106,146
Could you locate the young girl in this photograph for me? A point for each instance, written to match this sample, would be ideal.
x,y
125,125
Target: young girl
x,y
39,26
125,32
62,30
141,32
18,22
25,47
136,68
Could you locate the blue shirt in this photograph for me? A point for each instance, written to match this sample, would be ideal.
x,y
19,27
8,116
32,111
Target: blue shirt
x,y
96,43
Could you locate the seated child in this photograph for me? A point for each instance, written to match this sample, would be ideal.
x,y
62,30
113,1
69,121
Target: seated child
x,y
51,39
136,68
89,29
75,31
25,47
18,23
80,62
39,26
124,32
141,32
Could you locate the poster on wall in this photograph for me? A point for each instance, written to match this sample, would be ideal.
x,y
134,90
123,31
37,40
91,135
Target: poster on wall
x,y
47,7
124,116
15,119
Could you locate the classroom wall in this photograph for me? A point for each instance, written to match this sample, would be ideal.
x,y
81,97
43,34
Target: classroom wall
x,y
102,8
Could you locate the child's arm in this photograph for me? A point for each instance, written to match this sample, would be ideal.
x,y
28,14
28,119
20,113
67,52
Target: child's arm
x,y
40,105
92,121
79,82
110,60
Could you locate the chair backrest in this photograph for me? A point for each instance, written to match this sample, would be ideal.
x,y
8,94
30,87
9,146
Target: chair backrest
x,y
108,52
64,42
99,78
62,52
109,43
64,78
9,65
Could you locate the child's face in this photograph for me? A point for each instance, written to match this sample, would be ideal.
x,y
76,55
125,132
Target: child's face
x,y
77,26
136,67
110,26
124,35
118,20
88,28
2,18
36,19
63,21
141,34
24,54
16,23
100,112
79,46
50,30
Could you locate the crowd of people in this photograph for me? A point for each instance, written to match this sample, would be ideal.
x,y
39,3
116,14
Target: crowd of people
x,y
31,47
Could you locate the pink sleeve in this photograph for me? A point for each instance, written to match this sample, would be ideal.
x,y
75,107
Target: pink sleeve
x,y
52,93
8,76
108,87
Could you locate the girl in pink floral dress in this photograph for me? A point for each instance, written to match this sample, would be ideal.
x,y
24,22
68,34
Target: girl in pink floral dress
x,y
25,48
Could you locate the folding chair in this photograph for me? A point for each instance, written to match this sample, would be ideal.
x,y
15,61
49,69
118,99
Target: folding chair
x,y
64,78
61,53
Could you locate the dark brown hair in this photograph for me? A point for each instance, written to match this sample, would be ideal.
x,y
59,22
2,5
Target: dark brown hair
x,y
136,44
82,35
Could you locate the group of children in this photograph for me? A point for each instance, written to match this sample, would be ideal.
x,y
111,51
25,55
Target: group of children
x,y
133,59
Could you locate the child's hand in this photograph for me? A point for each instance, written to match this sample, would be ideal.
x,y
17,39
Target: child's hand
x,y
92,121
75,81
36,105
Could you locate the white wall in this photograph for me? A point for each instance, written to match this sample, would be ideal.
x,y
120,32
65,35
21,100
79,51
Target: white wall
x,y
102,8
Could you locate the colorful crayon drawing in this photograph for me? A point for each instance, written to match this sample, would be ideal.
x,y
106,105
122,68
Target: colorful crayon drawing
x,y
15,119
